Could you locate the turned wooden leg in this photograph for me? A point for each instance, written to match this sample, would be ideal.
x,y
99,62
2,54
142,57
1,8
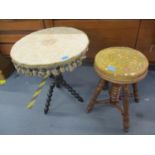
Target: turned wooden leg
x,y
58,80
98,90
115,93
49,97
72,91
135,92
126,107
106,85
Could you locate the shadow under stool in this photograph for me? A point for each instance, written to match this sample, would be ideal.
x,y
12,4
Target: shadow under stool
x,y
122,67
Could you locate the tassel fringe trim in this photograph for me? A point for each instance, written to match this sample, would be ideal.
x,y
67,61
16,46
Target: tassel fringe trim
x,y
42,72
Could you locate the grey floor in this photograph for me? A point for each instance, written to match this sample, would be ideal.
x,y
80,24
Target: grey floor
x,y
68,116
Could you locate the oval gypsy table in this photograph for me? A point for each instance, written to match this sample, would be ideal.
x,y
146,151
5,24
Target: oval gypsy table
x,y
49,53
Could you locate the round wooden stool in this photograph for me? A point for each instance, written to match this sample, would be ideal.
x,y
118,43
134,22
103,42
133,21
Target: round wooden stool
x,y
49,53
121,66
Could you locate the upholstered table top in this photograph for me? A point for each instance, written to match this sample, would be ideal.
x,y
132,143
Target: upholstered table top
x,y
121,64
50,48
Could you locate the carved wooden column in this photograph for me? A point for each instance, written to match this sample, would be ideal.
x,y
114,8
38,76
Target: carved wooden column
x,y
115,93
135,92
97,92
126,107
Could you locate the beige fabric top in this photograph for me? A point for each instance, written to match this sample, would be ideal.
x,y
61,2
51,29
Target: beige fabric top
x,y
51,46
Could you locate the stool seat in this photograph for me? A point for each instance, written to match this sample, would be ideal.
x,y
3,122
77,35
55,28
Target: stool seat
x,y
121,65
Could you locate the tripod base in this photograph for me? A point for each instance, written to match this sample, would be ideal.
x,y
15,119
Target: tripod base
x,y
59,82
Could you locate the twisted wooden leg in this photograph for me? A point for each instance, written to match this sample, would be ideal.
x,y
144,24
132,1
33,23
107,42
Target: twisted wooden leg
x,y
72,91
106,85
135,92
50,93
58,80
125,107
98,90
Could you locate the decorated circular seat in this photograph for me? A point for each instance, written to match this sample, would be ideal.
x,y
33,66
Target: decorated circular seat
x,y
50,51
121,65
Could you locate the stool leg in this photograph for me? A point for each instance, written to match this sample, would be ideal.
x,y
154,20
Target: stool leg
x,y
98,90
106,85
135,92
58,80
71,90
50,93
115,93
126,107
